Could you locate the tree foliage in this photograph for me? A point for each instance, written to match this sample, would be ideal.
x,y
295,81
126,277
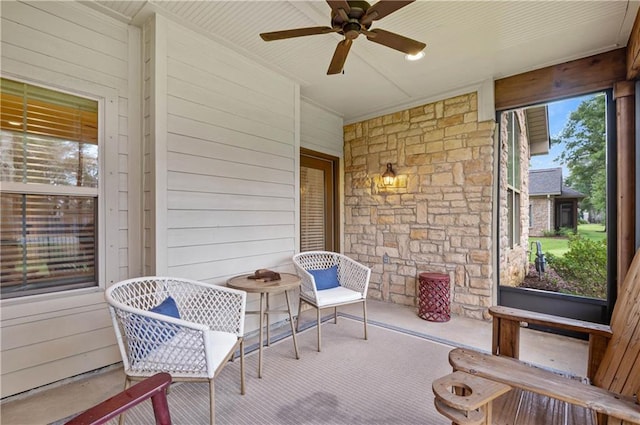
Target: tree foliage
x,y
584,138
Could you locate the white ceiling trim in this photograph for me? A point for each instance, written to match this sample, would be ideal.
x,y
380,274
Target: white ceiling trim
x,y
486,108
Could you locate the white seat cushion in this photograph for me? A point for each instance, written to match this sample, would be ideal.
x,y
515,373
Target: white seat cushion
x,y
337,295
219,344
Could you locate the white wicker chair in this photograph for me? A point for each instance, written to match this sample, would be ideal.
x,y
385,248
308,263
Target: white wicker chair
x,y
352,276
195,346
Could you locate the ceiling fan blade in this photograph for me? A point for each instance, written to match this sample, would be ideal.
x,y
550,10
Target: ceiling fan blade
x,y
381,9
336,5
298,32
396,41
339,57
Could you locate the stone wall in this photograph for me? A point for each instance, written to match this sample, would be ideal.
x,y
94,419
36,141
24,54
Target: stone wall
x,y
438,215
514,259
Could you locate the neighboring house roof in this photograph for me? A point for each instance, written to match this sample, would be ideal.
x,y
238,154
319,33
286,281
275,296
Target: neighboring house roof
x,y
549,182
567,192
538,130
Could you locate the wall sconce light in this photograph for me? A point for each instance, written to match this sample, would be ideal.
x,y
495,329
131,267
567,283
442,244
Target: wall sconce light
x,y
389,176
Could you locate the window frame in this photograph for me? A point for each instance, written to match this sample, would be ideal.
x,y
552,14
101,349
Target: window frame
x,y
107,258
514,195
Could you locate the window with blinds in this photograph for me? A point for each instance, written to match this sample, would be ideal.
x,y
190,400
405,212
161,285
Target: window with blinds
x,y
48,190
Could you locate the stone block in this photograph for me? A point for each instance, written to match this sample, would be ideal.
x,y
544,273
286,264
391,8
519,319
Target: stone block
x,y
431,147
374,294
463,98
409,271
468,299
430,110
419,234
458,174
458,108
450,120
471,117
413,140
397,127
377,131
468,220
470,242
437,157
359,150
429,124
418,149
414,246
480,256
449,144
480,179
391,252
455,258
474,312
442,179
457,155
421,212
443,220
460,129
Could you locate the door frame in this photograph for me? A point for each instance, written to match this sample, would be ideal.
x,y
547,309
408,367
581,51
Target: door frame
x,y
332,200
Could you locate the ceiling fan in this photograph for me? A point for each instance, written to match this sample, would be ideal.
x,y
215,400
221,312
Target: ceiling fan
x,y
352,18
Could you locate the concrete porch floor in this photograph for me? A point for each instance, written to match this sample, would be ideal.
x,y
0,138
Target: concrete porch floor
x,y
60,400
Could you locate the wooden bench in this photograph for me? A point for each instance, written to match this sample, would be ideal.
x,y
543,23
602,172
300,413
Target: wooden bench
x,y
154,388
608,395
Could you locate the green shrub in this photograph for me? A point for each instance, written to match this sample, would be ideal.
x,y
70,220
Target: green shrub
x,y
584,265
566,231
549,233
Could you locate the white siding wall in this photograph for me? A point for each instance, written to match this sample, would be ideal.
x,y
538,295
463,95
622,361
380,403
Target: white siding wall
x,y
223,156
321,130
66,46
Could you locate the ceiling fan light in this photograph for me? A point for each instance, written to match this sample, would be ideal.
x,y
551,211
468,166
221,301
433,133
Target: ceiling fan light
x,y
415,57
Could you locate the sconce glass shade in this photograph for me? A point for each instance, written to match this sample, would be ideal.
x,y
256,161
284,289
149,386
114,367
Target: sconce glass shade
x,y
389,176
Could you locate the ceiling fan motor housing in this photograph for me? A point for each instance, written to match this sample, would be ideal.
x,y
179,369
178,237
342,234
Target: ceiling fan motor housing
x,y
351,27
351,30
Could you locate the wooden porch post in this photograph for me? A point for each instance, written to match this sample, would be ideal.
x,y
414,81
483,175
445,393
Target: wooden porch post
x,y
624,95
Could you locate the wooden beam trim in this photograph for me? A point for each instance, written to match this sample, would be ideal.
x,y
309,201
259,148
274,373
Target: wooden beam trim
x,y
633,50
578,77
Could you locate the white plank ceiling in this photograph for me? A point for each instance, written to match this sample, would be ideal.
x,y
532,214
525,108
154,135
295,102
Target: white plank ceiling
x,y
468,42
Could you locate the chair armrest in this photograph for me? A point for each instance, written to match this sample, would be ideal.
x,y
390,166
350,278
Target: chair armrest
x,y
517,374
307,282
353,275
506,332
154,388
218,307
565,323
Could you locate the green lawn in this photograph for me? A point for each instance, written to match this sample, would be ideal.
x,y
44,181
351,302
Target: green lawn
x,y
559,245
